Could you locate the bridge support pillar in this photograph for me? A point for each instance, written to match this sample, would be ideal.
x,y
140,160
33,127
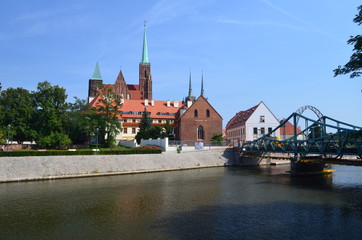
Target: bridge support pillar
x,y
299,167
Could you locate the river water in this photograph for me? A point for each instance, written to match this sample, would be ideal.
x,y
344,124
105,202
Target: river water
x,y
214,203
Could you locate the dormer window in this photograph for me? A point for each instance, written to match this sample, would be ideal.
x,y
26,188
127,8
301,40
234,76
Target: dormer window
x,y
262,119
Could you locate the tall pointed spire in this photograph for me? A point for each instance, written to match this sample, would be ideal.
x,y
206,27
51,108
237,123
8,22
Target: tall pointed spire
x,y
96,73
144,50
202,83
190,88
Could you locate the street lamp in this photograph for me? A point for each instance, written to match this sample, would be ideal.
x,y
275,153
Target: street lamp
x,y
97,140
8,141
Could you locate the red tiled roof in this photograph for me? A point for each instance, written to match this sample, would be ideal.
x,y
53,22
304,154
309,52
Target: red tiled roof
x,y
241,117
158,110
134,91
288,129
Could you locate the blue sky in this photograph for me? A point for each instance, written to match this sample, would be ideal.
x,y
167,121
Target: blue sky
x,y
281,52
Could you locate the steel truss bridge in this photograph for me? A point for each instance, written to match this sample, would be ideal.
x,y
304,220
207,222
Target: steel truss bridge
x,y
325,137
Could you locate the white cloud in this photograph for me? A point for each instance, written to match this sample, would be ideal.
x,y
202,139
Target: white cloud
x,y
299,19
270,23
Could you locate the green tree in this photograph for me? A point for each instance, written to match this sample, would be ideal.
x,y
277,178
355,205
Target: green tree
x,y
82,121
108,109
17,110
55,140
354,65
168,129
146,121
51,106
217,137
315,131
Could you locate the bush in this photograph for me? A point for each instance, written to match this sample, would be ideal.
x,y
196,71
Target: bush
x,y
148,147
154,133
55,140
83,152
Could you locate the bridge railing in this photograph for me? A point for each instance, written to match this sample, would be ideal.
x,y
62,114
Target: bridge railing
x,y
345,139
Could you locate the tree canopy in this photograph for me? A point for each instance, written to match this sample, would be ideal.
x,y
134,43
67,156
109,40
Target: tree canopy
x,y
354,65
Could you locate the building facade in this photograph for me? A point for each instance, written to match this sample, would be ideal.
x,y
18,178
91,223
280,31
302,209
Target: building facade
x,y
251,124
137,98
199,122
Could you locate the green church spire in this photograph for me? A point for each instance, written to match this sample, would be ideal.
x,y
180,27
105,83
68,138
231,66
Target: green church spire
x,y
202,83
96,73
190,88
145,50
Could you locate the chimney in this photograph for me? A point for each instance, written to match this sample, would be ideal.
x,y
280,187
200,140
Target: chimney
x,y
152,102
168,103
189,103
175,104
146,102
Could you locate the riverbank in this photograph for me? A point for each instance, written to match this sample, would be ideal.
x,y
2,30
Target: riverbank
x,y
15,169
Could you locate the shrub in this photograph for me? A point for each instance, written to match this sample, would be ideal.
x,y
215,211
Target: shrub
x,y
83,152
148,147
55,140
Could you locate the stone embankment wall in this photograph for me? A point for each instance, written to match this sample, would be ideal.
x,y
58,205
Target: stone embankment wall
x,y
53,167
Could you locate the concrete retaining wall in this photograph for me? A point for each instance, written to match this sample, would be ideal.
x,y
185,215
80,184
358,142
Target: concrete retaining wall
x,y
52,167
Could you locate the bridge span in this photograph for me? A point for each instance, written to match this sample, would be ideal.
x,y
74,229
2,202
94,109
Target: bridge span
x,y
319,141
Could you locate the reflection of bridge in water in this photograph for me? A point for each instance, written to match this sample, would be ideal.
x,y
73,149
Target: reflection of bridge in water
x,y
325,140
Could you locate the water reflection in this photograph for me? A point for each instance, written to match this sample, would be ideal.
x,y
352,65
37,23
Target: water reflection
x,y
216,203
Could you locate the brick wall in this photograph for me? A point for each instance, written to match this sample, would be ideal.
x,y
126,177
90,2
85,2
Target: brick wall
x,y
189,123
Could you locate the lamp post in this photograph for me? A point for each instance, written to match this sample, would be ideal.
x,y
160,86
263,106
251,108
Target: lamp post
x,y
8,141
97,140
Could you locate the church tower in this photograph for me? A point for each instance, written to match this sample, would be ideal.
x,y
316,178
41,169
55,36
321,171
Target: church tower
x,y
145,78
95,83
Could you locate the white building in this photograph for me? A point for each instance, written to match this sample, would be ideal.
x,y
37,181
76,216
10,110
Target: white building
x,y
251,124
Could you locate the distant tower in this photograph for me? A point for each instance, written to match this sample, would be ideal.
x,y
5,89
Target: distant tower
x,y
95,82
202,83
145,78
190,97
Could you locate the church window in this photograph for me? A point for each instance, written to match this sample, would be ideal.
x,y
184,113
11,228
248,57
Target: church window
x,y
200,132
195,113
207,113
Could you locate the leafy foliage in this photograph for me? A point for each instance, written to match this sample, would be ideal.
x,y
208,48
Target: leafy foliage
x,y
354,65
154,132
54,140
169,130
50,108
17,112
88,152
217,137
108,109
145,123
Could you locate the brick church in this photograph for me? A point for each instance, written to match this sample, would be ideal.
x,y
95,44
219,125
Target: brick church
x,y
193,119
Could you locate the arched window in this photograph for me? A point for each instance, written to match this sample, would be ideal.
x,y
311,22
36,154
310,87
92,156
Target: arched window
x,y
207,113
200,132
195,113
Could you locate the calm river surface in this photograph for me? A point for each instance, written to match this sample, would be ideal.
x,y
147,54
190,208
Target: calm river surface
x,y
213,203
